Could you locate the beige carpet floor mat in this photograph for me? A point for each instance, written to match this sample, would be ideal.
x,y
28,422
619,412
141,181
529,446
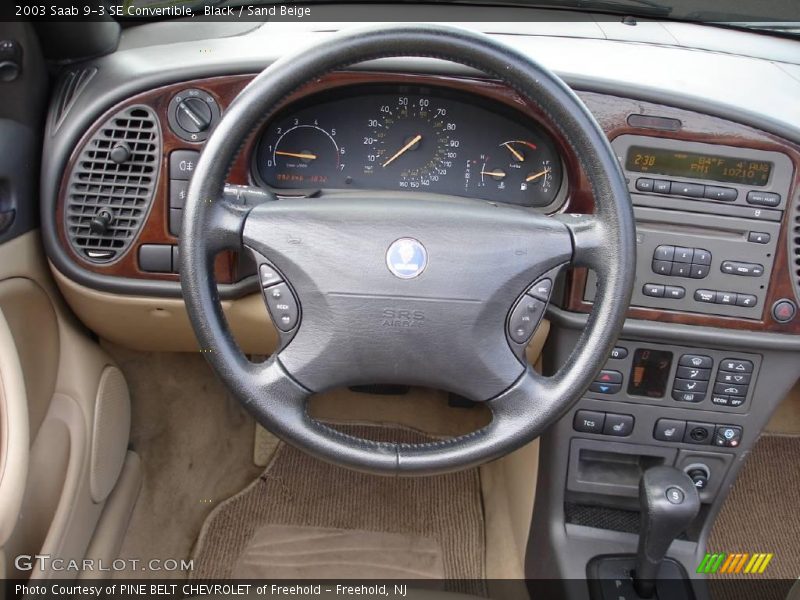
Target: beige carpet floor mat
x,y
761,513
303,518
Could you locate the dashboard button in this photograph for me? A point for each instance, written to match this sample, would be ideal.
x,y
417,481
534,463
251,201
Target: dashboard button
x,y
541,289
669,430
664,252
282,306
763,198
693,373
743,269
720,400
175,219
688,396
524,319
618,425
690,385
758,237
746,300
701,257
728,436
661,186
182,164
683,255
730,389
589,421
619,352
709,296
662,267
737,400
653,289
178,188
736,364
734,377
693,190
674,291
681,269
697,361
609,376
605,388
715,192
644,184
155,258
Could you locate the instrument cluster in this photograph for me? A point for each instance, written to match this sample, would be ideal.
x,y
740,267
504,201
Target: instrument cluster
x,y
410,138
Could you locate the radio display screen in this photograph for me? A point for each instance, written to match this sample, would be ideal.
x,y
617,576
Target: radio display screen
x,y
649,373
691,165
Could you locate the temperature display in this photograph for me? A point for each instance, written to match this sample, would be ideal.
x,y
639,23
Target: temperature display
x,y
698,166
649,373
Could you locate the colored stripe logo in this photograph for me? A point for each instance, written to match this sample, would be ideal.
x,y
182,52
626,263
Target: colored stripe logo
x,y
735,563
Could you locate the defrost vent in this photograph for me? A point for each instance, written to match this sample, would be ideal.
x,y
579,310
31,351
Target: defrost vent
x,y
112,183
794,246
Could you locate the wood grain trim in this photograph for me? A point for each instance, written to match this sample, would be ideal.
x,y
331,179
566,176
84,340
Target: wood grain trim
x,y
611,113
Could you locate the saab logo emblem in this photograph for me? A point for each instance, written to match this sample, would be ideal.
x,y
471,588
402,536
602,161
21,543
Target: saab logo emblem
x,y
736,563
406,258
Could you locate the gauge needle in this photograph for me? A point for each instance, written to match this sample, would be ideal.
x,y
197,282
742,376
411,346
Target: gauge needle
x,y
537,175
400,152
516,153
498,173
304,155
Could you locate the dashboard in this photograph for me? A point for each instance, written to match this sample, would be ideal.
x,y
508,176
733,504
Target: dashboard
x,y
410,138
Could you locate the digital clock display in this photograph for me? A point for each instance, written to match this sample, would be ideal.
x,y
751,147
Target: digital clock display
x,y
727,169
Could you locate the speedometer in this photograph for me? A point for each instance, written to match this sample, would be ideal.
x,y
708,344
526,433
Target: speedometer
x,y
410,142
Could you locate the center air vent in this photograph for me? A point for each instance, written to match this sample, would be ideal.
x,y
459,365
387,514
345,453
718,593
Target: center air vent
x,y
112,183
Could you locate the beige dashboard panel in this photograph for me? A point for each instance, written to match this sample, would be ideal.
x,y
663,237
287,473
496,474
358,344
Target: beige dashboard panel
x,y
156,324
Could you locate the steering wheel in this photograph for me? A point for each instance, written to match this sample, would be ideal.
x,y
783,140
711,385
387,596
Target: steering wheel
x,y
403,287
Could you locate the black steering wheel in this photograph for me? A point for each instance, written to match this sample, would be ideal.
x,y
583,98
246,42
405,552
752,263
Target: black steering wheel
x,y
401,287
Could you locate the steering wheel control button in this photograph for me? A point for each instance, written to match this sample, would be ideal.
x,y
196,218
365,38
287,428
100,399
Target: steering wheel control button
x,y
698,433
182,164
669,430
406,258
784,310
675,495
728,436
524,319
541,289
618,425
282,306
619,353
589,421
268,276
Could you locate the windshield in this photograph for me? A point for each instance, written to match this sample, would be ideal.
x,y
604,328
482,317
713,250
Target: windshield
x,y
780,16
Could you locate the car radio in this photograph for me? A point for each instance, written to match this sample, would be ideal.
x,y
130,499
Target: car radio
x,y
708,220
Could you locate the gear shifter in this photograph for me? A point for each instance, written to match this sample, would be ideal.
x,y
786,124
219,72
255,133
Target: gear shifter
x,y
669,503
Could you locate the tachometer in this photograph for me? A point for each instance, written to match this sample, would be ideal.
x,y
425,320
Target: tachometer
x,y
300,154
410,142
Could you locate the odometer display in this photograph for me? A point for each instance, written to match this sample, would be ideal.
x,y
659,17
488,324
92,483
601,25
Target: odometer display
x,y
409,138
698,166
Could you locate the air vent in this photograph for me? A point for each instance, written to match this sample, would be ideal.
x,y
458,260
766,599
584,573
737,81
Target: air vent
x,y
794,247
69,89
112,183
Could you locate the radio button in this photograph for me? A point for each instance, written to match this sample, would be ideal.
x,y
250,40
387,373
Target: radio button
x,y
701,257
747,300
664,253
654,290
741,268
763,198
725,194
693,190
662,267
758,237
674,291
681,269
644,184
661,186
684,255
709,296
726,298
698,271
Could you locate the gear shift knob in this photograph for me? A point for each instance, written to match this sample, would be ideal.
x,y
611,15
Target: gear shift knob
x,y
669,503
